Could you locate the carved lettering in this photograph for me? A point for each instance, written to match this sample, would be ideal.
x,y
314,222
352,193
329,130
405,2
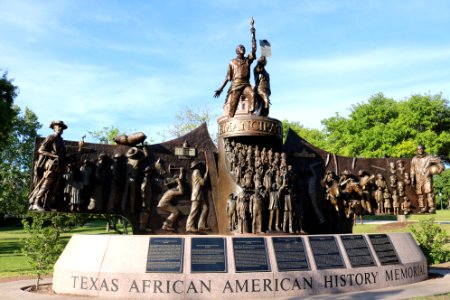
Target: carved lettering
x,y
134,287
115,285
405,273
84,282
358,279
174,286
271,127
104,285
191,287
92,283
267,285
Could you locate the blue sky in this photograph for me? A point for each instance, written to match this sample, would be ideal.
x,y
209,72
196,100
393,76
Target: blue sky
x,y
134,64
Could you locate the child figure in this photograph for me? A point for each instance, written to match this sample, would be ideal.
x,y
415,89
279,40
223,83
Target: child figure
x,y
387,201
395,202
379,200
406,206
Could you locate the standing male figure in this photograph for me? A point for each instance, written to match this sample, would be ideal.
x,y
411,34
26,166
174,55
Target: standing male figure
x,y
197,199
132,173
256,208
287,189
49,168
239,75
423,167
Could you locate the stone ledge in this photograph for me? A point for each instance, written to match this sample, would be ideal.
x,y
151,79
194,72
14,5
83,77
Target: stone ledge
x,y
120,271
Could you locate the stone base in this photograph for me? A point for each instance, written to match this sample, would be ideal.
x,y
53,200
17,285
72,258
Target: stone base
x,y
116,266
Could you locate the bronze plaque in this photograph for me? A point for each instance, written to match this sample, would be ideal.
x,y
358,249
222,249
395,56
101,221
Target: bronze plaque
x,y
250,254
326,252
384,249
165,255
357,251
208,255
290,254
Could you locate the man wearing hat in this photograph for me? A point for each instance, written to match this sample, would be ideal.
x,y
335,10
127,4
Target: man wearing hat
x,y
49,168
131,188
197,200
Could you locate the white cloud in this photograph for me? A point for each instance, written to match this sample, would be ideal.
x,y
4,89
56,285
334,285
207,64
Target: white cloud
x,y
31,16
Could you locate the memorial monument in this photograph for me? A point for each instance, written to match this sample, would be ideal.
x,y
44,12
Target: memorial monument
x,y
251,216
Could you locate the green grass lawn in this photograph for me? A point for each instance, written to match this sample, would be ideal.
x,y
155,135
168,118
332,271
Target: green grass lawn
x,y
411,220
14,263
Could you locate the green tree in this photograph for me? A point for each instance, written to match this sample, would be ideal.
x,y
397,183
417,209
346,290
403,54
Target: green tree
x,y
383,127
43,245
187,119
105,135
16,158
442,188
313,136
8,92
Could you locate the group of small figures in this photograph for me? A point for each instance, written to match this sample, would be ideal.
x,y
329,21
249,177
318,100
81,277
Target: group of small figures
x,y
111,183
268,190
355,195
373,194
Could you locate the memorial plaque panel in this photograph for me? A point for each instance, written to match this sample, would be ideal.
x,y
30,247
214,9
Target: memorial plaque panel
x,y
326,252
208,255
384,249
165,255
250,255
358,251
290,254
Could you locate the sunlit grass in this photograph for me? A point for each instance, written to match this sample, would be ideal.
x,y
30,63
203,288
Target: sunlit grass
x,y
14,263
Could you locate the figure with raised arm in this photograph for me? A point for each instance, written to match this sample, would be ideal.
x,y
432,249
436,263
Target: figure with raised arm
x,y
239,75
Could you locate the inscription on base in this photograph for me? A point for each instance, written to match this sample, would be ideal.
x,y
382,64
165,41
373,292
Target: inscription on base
x,y
384,249
290,254
165,255
326,252
357,251
250,255
208,255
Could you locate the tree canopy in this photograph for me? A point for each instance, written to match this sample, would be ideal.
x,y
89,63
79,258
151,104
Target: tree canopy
x,y
186,120
8,92
105,135
16,161
384,127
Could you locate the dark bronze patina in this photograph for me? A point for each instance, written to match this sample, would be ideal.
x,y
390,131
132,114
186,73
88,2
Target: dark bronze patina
x,y
251,183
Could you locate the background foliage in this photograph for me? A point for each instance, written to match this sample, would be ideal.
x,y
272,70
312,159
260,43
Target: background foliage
x,y
16,152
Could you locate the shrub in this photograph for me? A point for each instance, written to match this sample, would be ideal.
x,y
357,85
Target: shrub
x,y
431,239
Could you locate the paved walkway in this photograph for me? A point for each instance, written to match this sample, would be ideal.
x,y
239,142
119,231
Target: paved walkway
x,y
13,290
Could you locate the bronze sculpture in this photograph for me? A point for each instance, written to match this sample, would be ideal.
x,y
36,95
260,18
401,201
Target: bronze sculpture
x,y
132,173
49,168
243,211
286,190
256,208
262,85
423,167
146,196
231,212
165,204
239,75
197,199
252,162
